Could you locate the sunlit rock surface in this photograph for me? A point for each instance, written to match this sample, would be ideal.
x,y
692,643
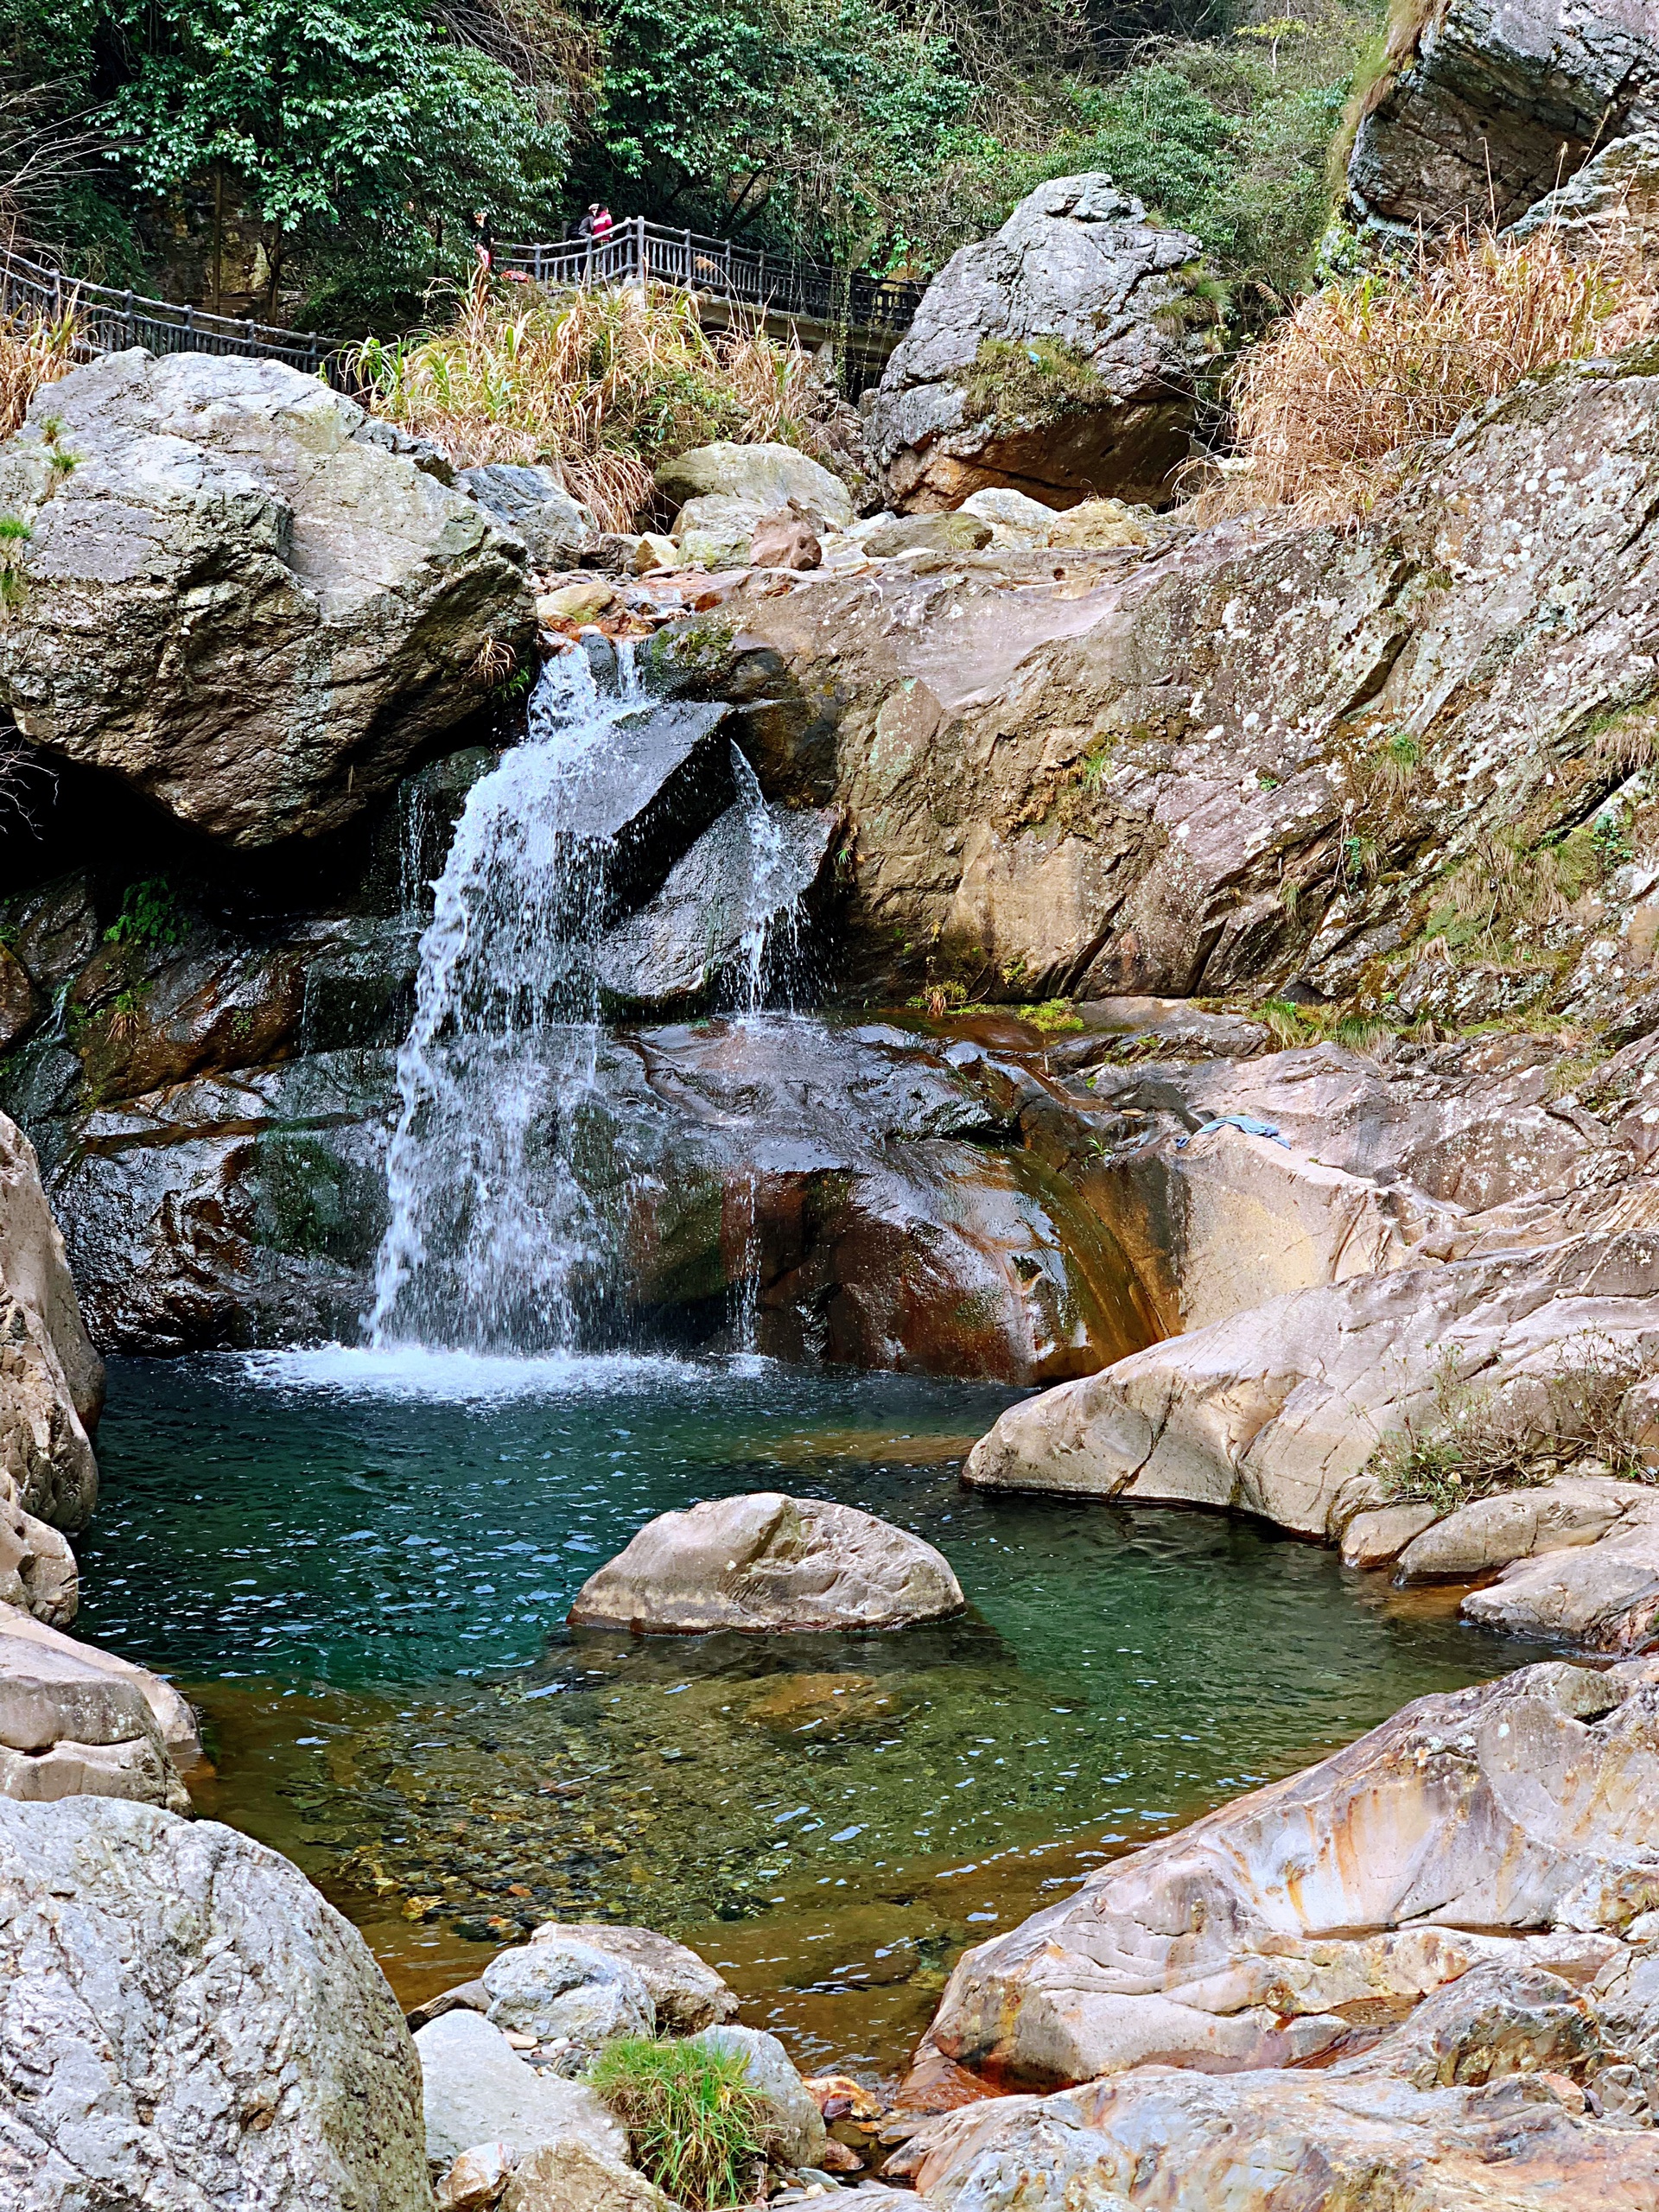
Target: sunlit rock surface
x,y
1509,1822
184,2021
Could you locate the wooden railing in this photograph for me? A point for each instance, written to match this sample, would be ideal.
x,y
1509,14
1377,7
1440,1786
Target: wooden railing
x,y
641,252
108,320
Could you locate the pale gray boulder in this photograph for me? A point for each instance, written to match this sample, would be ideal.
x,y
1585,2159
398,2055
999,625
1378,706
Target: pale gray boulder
x,y
686,1991
572,2176
1511,1821
186,2024
75,1721
1487,106
1279,1408
534,505
764,1562
240,601
475,2088
1616,187
796,2132
51,1390
1077,269
568,1988
763,477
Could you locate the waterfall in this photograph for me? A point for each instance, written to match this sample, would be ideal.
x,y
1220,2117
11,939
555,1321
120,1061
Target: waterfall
x,y
514,1165
492,1227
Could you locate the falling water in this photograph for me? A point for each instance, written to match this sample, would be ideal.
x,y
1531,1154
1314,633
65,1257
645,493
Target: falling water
x,y
492,1229
510,1178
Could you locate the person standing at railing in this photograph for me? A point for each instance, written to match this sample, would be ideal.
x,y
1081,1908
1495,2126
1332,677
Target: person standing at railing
x,y
483,239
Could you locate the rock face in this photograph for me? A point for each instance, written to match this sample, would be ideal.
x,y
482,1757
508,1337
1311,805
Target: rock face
x,y
685,1991
532,504
184,2021
76,1721
1135,779
1519,1806
51,1390
477,2090
766,1563
1057,358
1278,1409
1486,107
240,601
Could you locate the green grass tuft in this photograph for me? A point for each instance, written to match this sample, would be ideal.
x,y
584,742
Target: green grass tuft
x,y
695,2126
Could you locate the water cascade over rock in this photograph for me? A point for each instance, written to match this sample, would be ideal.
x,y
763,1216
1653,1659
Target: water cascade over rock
x,y
512,1170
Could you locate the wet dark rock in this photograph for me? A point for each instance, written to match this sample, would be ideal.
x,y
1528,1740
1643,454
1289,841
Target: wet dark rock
x,y
18,1004
665,777
750,876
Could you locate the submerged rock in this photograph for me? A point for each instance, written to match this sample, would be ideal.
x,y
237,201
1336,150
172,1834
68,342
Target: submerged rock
x,y
1057,356
766,1563
184,2021
1521,1805
240,602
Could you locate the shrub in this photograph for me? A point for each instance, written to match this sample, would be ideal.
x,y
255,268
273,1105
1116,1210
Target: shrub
x,y
1337,404
35,350
600,385
695,2127
1473,1443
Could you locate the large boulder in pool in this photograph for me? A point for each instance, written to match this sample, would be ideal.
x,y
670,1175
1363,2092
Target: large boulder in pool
x,y
51,1389
1511,1822
243,601
765,1562
185,2022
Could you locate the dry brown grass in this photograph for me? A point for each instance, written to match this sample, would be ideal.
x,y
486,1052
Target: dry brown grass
x,y
598,385
33,350
1336,406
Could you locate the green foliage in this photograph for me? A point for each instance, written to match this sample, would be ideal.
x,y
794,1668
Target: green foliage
x,y
1226,140
149,917
695,2127
1030,382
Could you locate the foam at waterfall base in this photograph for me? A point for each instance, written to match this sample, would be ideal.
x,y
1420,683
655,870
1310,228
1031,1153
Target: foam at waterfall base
x,y
461,1377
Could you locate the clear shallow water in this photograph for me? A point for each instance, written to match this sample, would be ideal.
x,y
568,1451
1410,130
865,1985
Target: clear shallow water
x,y
359,1565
